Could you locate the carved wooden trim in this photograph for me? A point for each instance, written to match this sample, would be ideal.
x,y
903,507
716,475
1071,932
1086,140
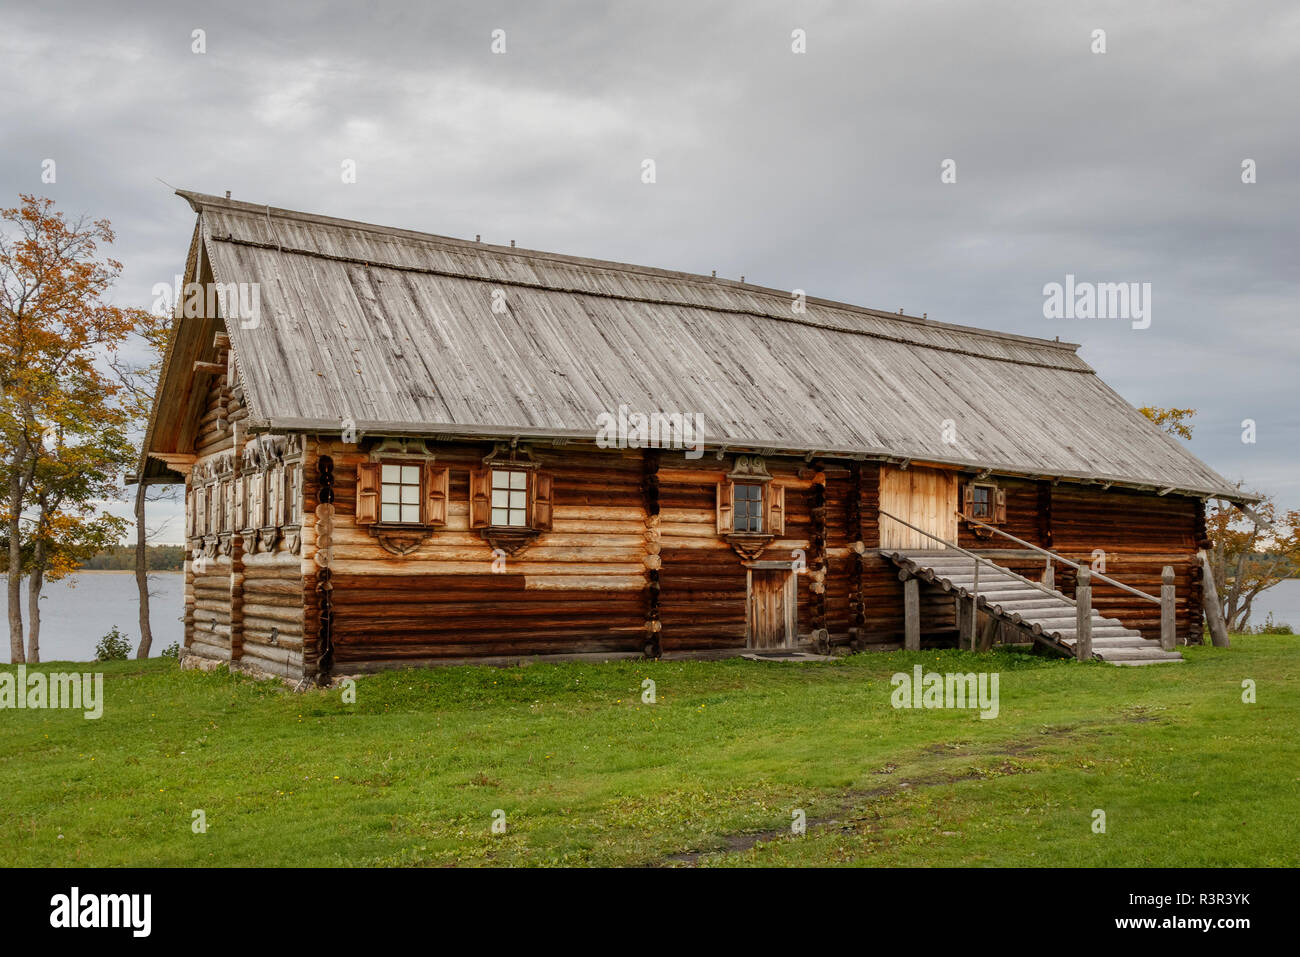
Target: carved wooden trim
x,y
400,540
749,468
267,538
510,540
749,545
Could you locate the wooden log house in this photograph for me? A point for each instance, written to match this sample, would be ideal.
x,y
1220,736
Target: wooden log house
x,y
396,459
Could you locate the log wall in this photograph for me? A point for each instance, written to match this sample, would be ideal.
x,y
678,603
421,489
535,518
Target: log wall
x,y
578,588
243,586
703,580
633,563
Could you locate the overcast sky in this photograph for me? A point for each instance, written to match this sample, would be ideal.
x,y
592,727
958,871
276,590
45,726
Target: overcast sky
x,y
819,171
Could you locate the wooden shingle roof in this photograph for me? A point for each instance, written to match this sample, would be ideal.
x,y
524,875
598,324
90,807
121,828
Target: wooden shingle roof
x,y
394,331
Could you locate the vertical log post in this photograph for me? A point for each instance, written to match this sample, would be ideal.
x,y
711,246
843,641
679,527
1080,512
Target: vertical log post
x,y
650,492
912,615
974,604
1168,621
1210,601
818,560
1083,616
857,601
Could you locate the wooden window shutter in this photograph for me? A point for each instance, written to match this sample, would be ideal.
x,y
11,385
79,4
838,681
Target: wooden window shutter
x,y
367,493
437,480
1000,506
968,500
775,509
238,518
480,498
277,497
726,507
200,511
257,499
189,510
295,495
542,487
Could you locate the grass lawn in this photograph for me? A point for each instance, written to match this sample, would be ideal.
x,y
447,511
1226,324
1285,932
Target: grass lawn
x,y
585,773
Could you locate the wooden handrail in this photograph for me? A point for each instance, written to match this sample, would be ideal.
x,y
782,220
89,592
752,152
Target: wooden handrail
x,y
1064,561
979,558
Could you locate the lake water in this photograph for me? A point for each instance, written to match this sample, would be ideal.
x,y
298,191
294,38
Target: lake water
x,y
77,612
80,610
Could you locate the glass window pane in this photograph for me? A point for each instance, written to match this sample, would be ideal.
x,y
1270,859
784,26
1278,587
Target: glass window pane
x,y
499,516
410,513
500,479
518,499
411,474
392,473
500,498
389,493
389,513
516,518
410,494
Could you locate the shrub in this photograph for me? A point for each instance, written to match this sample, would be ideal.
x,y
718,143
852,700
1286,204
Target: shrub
x,y
171,651
1271,627
113,647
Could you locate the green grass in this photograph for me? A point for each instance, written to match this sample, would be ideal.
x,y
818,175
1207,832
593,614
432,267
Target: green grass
x,y
411,774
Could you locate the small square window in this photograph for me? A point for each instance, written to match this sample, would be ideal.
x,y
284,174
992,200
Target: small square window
x,y
981,503
399,494
509,498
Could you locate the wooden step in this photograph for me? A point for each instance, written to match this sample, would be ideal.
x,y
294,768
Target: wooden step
x,y
1045,616
1138,654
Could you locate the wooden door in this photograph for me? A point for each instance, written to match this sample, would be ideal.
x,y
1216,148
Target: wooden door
x,y
770,619
926,498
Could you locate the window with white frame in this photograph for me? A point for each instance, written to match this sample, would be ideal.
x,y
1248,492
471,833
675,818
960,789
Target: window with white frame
x,y
509,498
399,499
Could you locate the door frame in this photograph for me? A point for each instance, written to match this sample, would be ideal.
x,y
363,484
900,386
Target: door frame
x,y
790,601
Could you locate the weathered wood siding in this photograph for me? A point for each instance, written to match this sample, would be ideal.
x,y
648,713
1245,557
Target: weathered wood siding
x,y
634,558
578,588
703,581
243,591
1139,534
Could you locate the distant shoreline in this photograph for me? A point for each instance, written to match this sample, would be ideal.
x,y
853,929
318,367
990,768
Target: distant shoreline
x,y
110,571
122,571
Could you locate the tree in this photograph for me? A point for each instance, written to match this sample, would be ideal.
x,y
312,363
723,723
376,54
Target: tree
x,y
1174,421
1250,549
55,323
139,381
68,528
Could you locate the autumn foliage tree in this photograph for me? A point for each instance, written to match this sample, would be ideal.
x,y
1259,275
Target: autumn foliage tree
x,y
1251,552
57,330
1251,549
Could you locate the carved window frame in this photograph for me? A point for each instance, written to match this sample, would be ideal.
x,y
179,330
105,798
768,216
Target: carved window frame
x,y
750,470
433,497
997,502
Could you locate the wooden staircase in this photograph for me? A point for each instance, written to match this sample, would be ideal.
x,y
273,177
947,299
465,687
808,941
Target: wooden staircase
x,y
1043,615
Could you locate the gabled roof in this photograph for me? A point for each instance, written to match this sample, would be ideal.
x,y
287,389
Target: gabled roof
x,y
395,332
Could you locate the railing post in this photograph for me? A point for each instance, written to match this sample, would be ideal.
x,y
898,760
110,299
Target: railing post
x,y
974,603
1083,616
1049,574
1168,624
912,615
